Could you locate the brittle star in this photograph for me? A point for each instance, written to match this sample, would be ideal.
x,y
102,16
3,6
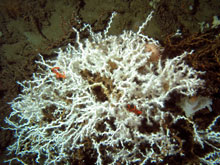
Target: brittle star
x,y
58,75
136,111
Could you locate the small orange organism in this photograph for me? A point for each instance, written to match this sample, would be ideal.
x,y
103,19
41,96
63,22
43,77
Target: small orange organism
x,y
132,108
58,75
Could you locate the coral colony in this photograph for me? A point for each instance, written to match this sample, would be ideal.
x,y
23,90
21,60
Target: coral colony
x,y
106,95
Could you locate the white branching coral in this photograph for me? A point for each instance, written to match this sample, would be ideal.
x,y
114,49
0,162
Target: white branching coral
x,y
107,99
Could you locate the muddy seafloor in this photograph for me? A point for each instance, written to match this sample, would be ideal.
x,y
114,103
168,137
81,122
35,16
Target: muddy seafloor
x,y
29,27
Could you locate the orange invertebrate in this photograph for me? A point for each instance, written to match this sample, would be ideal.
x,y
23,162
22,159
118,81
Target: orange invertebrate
x,y
56,71
133,109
